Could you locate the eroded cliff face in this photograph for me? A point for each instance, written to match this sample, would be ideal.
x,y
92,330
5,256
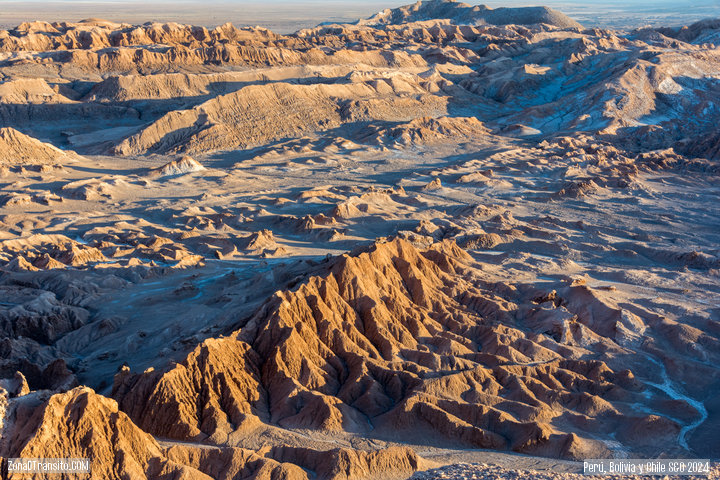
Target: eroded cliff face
x,y
180,88
82,424
216,395
402,343
391,343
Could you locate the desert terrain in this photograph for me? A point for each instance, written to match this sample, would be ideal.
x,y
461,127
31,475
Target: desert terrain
x,y
444,234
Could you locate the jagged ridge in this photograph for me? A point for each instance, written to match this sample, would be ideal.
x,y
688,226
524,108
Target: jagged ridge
x,y
390,341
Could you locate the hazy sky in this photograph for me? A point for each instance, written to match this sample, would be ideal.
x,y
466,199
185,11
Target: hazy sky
x,y
289,15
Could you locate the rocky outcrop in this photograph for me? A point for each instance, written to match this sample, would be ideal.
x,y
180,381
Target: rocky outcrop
x,y
16,148
464,14
390,341
185,164
255,115
424,130
82,424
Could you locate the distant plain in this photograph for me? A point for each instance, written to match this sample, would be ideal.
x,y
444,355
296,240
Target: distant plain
x,y
289,16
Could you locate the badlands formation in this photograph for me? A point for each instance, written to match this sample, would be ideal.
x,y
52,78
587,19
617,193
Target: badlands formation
x,y
442,234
